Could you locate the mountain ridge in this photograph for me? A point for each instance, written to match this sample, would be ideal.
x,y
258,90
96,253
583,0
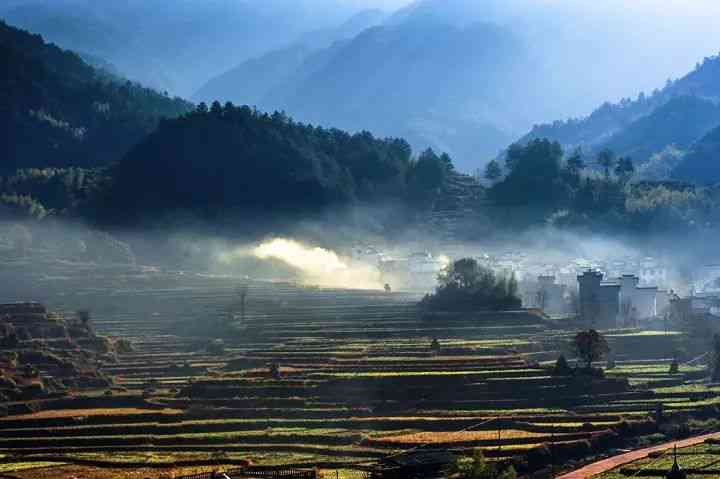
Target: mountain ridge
x,y
59,111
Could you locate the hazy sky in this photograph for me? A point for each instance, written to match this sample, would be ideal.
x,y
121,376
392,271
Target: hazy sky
x,y
383,4
637,44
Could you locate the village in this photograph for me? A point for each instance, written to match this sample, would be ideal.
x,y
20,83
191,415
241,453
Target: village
x,y
608,293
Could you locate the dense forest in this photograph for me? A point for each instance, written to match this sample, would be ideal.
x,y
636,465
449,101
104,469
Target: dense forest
x,y
541,184
225,159
81,143
57,111
656,130
41,192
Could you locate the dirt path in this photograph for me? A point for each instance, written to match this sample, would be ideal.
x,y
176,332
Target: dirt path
x,y
612,462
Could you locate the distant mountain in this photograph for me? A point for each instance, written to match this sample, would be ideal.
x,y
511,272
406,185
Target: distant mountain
x,y
442,86
675,117
351,27
174,46
466,77
57,111
679,122
253,80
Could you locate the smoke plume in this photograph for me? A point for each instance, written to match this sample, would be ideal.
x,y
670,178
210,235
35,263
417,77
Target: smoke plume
x,y
319,266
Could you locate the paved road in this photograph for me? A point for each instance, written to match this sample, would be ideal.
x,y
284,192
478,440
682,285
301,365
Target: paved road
x,y
612,462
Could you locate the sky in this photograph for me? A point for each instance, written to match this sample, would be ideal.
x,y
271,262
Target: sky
x,y
638,44
381,4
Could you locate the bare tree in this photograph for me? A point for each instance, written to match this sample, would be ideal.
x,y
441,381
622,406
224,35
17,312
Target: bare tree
x,y
573,303
590,346
239,303
242,295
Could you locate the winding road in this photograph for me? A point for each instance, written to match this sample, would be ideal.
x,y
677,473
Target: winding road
x,y
621,459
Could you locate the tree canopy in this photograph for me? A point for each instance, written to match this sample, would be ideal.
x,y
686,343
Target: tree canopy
x,y
590,346
57,111
230,158
465,285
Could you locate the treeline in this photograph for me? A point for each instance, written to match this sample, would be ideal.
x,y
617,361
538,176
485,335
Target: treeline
x,y
235,159
540,184
37,193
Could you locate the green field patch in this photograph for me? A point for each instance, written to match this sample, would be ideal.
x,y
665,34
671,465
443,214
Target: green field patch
x,y
694,457
7,467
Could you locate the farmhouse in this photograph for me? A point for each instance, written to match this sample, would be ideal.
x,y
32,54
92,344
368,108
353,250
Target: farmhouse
x,y
641,302
599,300
605,302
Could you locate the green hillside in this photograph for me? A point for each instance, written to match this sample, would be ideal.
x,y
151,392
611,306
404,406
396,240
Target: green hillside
x,y
57,111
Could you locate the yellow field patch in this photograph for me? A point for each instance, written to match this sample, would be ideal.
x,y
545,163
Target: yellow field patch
x,y
62,413
449,437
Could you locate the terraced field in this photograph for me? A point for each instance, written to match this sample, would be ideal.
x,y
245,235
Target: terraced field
x,y
699,462
325,376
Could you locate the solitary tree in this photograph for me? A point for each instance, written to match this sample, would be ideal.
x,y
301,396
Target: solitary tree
x,y
562,368
606,159
624,169
242,294
493,171
590,346
575,162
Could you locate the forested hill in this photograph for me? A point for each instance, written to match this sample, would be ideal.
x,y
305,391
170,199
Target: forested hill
x,y
57,111
676,116
229,159
702,162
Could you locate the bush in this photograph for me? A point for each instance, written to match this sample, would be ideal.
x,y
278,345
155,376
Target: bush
x,y
466,286
478,468
590,346
562,368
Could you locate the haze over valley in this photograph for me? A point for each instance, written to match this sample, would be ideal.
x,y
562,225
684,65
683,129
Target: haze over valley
x,y
359,239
